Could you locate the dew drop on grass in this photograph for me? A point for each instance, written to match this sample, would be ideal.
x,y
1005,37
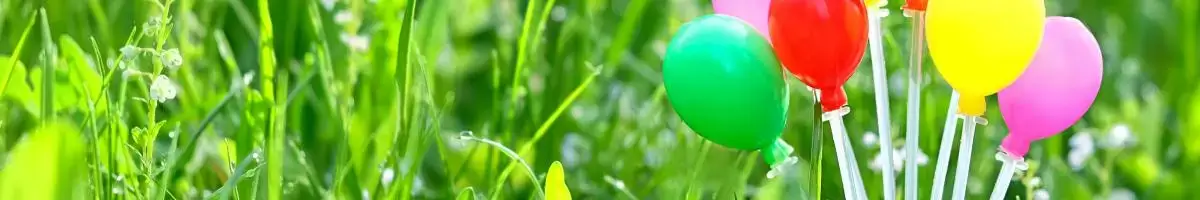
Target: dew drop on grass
x,y
387,176
256,157
466,135
616,183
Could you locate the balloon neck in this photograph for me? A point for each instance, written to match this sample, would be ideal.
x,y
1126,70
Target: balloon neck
x,y
972,105
832,99
1015,146
1017,161
778,156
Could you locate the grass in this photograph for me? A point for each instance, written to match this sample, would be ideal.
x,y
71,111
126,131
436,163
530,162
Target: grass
x,y
365,99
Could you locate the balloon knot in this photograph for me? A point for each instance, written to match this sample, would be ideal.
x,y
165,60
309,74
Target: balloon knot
x,y
832,99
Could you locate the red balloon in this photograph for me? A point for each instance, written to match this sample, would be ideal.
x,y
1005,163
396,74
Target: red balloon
x,y
821,42
918,5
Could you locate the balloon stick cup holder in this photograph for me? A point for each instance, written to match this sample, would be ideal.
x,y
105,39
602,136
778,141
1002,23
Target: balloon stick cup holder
x,y
949,128
835,113
779,157
1012,164
978,119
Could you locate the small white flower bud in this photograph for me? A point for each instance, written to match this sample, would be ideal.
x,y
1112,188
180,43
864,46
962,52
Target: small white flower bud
x,y
162,89
129,52
171,58
151,27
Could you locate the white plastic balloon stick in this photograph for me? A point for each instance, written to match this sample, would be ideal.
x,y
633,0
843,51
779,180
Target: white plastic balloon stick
x,y
840,146
943,159
961,172
882,111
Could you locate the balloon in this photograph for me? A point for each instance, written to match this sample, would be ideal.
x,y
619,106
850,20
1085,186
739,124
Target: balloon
x,y
1057,88
751,11
821,42
724,81
918,5
982,46
875,3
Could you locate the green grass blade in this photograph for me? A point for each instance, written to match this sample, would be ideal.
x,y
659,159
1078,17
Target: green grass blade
x,y
12,63
242,168
511,155
274,152
528,146
48,74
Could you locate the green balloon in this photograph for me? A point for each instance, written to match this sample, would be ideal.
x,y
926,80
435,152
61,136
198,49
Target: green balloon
x,y
724,81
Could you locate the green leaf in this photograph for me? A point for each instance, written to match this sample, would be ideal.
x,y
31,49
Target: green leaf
x,y
556,187
18,88
82,77
47,164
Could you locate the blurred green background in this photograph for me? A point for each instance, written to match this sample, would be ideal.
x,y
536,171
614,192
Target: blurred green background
x,y
392,99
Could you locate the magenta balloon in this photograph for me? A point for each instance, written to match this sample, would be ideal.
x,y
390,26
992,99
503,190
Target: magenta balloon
x,y
1057,88
752,11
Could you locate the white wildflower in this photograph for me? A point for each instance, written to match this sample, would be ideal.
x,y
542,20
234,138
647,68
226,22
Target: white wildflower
x,y
1119,137
898,158
355,42
870,139
1082,148
162,89
877,163
171,58
558,14
129,52
1122,194
342,17
1041,194
921,160
1035,182
328,4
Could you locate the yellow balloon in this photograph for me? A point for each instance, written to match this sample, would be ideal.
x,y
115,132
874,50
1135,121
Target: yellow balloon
x,y
875,4
982,46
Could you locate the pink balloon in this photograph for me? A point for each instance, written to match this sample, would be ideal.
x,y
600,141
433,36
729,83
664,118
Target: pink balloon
x,y
753,12
1057,88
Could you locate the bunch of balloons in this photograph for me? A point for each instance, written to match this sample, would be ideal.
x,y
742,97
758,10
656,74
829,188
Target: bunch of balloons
x,y
724,74
724,78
